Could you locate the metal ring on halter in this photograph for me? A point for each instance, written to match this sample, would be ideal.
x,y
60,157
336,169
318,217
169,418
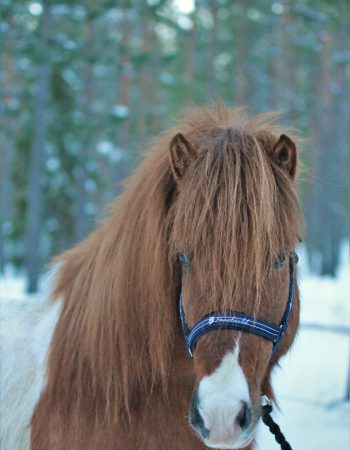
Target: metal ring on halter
x,y
266,406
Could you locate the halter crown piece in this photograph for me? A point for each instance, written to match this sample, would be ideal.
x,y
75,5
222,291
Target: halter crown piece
x,y
240,321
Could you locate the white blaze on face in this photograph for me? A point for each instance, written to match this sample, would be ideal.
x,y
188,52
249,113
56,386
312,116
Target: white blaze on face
x,y
220,399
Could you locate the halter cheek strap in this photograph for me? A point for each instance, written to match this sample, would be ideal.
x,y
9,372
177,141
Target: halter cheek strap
x,y
240,321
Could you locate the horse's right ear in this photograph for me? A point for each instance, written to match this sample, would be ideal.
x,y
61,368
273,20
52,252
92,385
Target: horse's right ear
x,y
181,155
285,154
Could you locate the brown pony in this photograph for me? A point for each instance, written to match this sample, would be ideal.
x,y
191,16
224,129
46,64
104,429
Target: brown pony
x,y
220,189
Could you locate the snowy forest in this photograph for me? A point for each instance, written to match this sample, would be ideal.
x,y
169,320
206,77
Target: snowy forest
x,y
85,85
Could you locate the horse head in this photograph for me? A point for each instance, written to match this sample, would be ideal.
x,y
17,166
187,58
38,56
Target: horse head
x,y
236,222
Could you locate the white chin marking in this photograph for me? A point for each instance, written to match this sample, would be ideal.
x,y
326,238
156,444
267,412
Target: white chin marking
x,y
220,399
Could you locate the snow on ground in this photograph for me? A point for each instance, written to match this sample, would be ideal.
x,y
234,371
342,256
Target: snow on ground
x,y
12,284
309,386
311,382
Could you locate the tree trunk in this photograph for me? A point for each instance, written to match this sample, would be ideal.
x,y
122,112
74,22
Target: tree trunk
x,y
123,98
325,217
284,70
6,143
332,164
33,260
241,97
81,220
347,391
213,52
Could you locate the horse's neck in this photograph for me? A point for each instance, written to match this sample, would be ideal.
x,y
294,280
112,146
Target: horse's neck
x,y
158,415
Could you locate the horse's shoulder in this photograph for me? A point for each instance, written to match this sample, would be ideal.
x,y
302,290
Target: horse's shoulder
x,y
26,328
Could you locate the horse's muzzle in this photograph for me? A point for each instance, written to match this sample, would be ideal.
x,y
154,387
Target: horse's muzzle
x,y
226,429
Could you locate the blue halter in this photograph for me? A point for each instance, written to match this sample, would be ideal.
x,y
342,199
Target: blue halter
x,y
239,321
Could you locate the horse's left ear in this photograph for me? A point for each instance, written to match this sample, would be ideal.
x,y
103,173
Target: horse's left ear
x,y
181,155
285,154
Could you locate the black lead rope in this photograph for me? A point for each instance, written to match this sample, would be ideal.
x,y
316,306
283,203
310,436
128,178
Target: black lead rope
x,y
273,427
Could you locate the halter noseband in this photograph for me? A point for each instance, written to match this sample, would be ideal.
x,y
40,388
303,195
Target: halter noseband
x,y
240,321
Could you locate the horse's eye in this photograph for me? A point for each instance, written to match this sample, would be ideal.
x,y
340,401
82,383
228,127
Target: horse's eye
x,y
296,258
184,260
279,262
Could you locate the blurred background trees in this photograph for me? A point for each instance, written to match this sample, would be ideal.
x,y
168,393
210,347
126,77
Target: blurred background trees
x,y
84,85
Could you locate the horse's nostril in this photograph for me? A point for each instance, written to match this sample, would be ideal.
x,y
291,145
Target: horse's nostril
x,y
196,419
244,416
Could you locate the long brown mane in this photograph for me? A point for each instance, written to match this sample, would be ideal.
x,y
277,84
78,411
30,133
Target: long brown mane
x,y
115,338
